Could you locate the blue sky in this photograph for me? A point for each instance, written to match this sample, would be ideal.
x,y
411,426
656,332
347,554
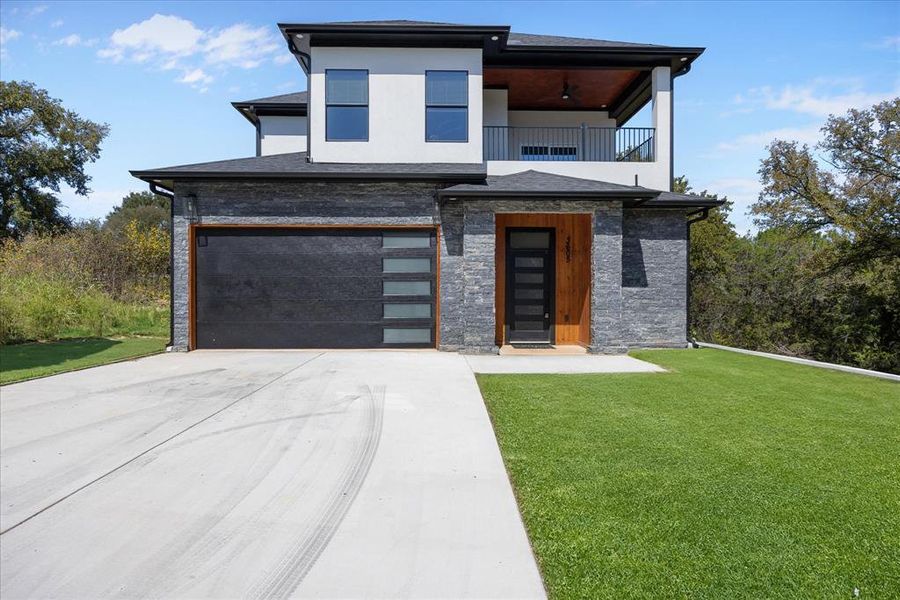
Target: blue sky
x,y
770,70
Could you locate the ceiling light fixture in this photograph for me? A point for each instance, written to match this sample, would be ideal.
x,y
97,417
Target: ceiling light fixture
x,y
494,38
684,59
565,92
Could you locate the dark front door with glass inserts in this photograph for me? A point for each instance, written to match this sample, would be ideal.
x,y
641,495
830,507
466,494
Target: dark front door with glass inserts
x,y
530,285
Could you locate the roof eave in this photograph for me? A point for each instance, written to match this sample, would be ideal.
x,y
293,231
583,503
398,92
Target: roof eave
x,y
168,176
489,194
698,203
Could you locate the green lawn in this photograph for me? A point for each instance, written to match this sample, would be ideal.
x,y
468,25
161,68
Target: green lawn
x,y
26,361
732,476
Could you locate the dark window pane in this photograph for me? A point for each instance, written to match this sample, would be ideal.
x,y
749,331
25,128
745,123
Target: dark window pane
x,y
529,325
529,278
529,309
347,123
528,294
447,88
346,87
529,261
446,124
529,239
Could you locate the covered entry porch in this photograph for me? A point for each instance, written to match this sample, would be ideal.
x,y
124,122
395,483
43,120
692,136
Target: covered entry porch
x,y
543,279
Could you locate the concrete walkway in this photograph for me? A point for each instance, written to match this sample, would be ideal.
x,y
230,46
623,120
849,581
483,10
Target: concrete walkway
x,y
265,474
586,363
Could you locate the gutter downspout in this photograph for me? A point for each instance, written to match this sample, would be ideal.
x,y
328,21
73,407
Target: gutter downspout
x,y
171,196
704,213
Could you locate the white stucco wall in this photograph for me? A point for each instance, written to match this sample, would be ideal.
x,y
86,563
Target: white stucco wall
x,y
495,107
661,79
396,104
282,134
649,174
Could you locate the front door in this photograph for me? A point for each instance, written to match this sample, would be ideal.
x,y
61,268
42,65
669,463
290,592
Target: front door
x,y
530,285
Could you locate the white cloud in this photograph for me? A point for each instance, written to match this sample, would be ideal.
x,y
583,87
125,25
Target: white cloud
x,y
891,42
160,35
39,9
6,36
758,141
283,59
240,45
73,40
195,76
819,98
56,24
168,42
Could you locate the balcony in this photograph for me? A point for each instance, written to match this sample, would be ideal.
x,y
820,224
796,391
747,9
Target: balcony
x,y
596,144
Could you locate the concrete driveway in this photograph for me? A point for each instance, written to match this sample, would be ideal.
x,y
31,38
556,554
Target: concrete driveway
x,y
264,474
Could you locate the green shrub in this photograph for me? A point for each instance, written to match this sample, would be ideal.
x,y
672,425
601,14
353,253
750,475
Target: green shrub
x,y
86,282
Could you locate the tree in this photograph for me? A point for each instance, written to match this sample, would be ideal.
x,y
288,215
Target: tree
x,y
857,199
852,205
711,260
146,209
43,145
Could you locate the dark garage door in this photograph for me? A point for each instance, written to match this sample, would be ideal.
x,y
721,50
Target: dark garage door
x,y
314,288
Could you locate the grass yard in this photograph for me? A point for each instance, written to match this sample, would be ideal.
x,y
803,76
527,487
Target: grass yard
x,y
27,361
732,476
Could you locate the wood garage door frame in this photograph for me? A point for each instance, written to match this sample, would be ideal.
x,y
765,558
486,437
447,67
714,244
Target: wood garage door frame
x,y
192,262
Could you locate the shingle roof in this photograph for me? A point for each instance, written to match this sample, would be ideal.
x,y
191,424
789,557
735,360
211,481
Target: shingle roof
x,y
515,39
526,184
534,184
292,98
295,166
539,183
531,39
404,22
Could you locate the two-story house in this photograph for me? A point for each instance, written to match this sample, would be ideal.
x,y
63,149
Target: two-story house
x,y
461,187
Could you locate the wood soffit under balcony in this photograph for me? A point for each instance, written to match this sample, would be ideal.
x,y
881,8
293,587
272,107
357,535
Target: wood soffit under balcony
x,y
541,89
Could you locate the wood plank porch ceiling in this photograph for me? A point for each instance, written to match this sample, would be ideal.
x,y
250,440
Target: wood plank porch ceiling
x,y
541,89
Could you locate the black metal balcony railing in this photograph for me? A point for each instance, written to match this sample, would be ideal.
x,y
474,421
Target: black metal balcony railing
x,y
606,144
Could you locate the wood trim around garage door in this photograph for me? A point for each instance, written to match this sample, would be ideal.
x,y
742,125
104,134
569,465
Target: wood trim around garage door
x,y
192,258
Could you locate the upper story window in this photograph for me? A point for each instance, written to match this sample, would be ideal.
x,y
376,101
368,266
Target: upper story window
x,y
446,106
346,105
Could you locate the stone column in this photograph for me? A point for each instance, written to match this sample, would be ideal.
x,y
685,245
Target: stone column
x,y
606,287
180,279
452,290
478,277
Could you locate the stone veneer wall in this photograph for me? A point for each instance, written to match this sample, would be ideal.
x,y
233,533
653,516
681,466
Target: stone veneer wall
x,y
638,293
654,278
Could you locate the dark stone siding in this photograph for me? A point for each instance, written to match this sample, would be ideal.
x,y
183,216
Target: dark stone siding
x,y
638,293
654,278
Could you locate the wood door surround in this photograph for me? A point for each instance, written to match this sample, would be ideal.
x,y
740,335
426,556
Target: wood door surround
x,y
573,273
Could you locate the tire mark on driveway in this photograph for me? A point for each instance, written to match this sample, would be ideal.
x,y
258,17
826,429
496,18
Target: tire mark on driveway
x,y
295,565
155,446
